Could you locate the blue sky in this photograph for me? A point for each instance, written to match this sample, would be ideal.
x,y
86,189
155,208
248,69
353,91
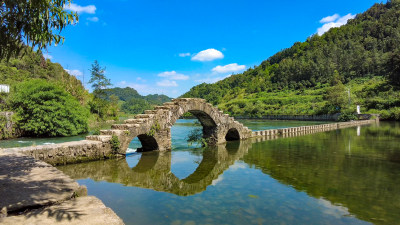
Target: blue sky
x,y
167,47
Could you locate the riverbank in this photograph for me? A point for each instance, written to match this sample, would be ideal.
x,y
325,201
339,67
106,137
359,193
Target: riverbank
x,y
34,192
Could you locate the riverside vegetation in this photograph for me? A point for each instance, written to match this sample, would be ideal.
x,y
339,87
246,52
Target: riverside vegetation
x,y
50,102
356,64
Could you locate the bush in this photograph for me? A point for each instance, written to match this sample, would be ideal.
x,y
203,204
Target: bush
x,y
45,109
115,144
347,116
196,136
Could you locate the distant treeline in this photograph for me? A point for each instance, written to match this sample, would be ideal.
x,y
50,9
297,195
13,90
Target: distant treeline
x,y
131,102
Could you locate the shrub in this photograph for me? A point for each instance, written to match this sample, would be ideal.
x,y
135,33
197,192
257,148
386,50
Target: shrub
x,y
347,116
45,109
196,136
115,144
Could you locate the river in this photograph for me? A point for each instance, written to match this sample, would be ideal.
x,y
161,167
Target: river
x,y
347,176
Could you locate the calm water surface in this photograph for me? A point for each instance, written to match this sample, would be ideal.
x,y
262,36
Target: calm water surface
x,y
348,176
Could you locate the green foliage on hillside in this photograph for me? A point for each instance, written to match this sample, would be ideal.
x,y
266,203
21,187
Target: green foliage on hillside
x,y
46,109
134,103
299,80
33,65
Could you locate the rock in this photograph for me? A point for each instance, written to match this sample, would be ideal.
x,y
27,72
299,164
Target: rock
x,y
83,211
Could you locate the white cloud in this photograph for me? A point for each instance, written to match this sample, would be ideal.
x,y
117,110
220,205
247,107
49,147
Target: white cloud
x,y
208,55
329,18
91,9
173,75
337,22
47,56
216,181
167,83
237,166
184,54
93,19
233,67
76,73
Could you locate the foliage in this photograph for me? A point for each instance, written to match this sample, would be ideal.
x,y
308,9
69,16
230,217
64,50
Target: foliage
x,y
135,106
336,95
154,129
196,136
37,23
115,144
5,132
132,102
34,65
45,109
98,80
99,104
298,80
347,116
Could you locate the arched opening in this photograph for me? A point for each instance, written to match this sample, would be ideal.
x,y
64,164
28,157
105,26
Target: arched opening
x,y
232,135
148,142
208,124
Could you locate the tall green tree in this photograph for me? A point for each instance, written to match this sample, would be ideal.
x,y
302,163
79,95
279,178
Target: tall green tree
x,y
37,23
98,80
393,67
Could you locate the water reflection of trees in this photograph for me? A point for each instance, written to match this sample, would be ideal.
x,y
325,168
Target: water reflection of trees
x,y
153,170
361,173
365,180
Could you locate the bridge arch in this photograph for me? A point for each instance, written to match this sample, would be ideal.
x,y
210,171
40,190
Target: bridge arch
x,y
232,135
154,127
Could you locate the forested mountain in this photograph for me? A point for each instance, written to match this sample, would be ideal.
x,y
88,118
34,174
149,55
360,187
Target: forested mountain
x,y
132,102
363,57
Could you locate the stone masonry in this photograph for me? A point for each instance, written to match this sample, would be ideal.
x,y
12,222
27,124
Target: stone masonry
x,y
154,127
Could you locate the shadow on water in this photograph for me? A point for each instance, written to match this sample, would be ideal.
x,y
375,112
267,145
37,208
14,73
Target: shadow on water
x,y
356,169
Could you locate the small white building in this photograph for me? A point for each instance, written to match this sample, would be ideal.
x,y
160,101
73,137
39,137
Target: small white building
x,y
4,88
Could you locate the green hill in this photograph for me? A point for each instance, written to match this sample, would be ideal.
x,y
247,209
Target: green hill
x,y
132,102
32,65
307,78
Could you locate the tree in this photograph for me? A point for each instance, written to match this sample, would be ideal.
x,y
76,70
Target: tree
x,y
336,95
98,80
45,109
393,67
36,23
99,104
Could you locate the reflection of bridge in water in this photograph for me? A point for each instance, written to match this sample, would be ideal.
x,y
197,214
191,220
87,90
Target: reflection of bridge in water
x,y
153,170
326,171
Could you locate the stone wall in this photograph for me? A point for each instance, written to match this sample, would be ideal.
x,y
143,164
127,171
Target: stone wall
x,y
295,131
68,152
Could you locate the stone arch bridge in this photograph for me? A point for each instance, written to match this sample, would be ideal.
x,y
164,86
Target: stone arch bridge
x,y
153,128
